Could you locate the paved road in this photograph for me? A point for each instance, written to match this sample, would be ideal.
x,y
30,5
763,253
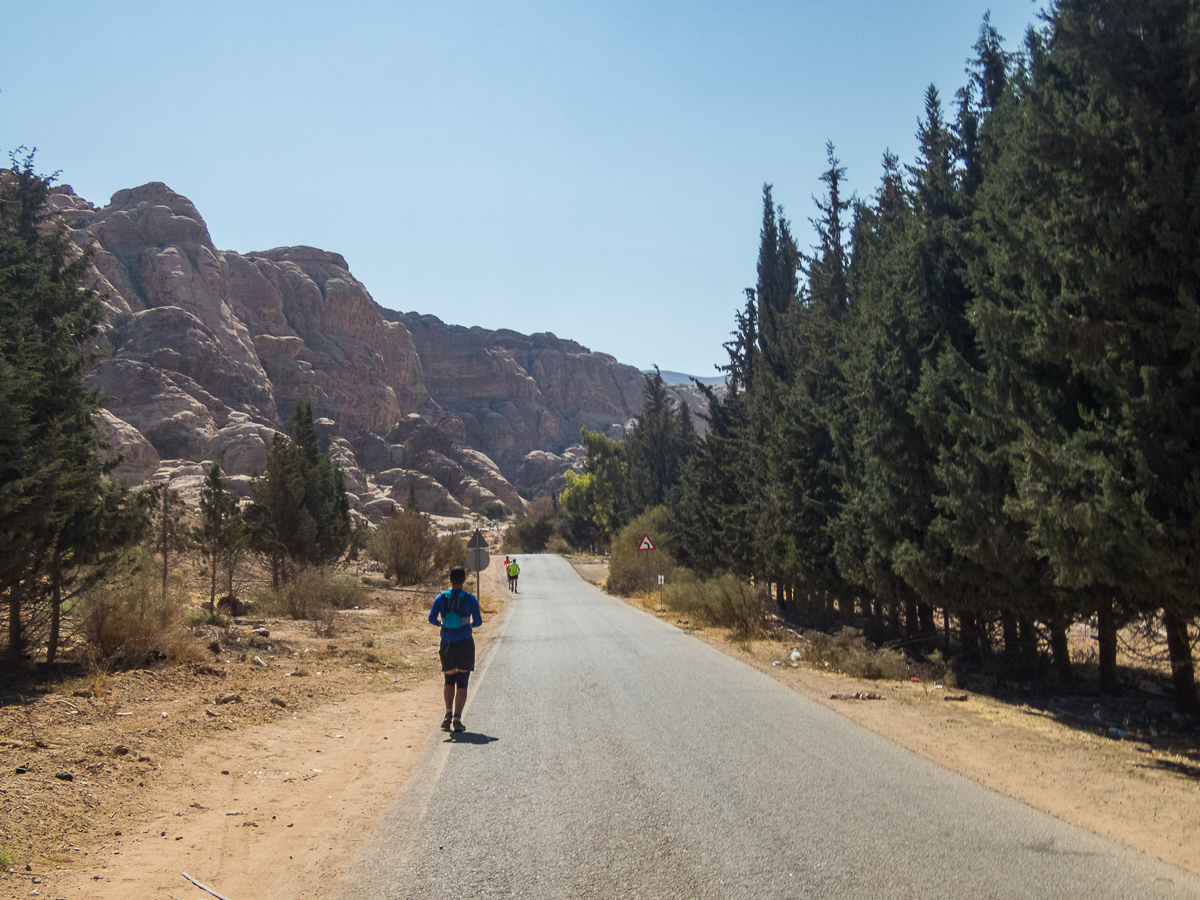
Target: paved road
x,y
611,756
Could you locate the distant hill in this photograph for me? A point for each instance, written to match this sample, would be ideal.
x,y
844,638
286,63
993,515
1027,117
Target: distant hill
x,y
206,353
680,378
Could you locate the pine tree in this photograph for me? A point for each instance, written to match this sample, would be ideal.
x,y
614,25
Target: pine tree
x,y
53,488
658,447
300,514
800,416
168,535
1088,226
217,529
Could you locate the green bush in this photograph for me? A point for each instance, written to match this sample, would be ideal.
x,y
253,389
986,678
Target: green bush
x,y
532,529
344,591
491,509
850,653
449,552
559,546
725,602
408,548
627,568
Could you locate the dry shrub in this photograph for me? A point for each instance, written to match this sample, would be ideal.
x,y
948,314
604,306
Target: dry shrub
x,y
408,548
559,546
325,622
124,622
312,595
725,602
850,653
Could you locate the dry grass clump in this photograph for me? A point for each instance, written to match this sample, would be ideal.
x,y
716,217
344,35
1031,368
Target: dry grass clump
x,y
849,653
724,602
129,622
312,595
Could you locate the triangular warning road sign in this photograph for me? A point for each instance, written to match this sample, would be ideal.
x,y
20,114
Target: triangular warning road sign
x,y
646,543
477,541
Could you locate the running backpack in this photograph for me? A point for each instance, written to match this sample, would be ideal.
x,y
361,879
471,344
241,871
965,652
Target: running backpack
x,y
454,605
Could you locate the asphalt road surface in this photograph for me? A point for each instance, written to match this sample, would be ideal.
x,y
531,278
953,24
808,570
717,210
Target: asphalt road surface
x,y
609,755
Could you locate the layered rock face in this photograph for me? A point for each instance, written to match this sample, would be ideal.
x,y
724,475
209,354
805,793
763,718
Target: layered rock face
x,y
206,353
519,393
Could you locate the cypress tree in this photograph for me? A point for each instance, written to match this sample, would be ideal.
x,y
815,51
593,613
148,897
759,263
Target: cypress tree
x,y
658,447
217,528
53,489
1090,234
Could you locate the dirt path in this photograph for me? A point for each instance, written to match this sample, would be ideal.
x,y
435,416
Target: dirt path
x,y
271,811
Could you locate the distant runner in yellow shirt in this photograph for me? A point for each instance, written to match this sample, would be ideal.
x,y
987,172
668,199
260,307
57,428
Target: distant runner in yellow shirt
x,y
513,571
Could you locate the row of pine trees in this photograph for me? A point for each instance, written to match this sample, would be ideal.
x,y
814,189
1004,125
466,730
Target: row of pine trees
x,y
975,405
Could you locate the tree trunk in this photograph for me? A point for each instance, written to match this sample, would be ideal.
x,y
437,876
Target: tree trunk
x,y
1012,637
1028,638
55,622
212,594
968,635
1060,650
16,637
780,599
1106,639
166,547
911,626
925,620
1183,673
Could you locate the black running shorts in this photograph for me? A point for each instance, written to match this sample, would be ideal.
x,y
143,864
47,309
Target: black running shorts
x,y
458,655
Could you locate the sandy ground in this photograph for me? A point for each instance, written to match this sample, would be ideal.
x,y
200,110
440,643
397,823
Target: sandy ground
x,y
250,798
257,799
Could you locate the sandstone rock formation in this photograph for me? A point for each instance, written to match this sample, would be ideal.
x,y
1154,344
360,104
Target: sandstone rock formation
x,y
205,354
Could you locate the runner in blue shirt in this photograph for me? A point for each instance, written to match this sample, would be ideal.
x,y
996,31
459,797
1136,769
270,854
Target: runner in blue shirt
x,y
456,612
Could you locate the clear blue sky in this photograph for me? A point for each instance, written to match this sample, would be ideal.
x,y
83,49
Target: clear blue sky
x,y
593,169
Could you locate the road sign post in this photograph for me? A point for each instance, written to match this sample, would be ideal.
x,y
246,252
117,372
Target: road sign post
x,y
477,556
647,545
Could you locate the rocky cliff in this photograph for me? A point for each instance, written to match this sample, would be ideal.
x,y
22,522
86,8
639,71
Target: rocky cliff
x,y
205,353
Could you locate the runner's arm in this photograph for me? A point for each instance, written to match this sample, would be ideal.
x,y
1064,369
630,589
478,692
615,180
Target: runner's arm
x,y
435,611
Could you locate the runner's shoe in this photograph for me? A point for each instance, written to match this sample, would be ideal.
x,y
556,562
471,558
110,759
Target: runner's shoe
x,y
446,722
458,725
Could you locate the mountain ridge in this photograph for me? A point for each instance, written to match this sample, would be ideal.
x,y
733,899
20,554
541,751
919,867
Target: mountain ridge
x,y
205,354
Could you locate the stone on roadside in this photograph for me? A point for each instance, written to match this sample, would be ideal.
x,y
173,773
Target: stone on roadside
x,y
228,697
